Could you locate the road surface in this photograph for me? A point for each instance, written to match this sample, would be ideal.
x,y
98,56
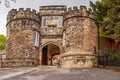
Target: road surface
x,y
54,73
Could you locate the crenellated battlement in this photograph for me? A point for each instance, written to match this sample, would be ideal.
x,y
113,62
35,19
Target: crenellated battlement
x,y
21,13
81,11
56,10
53,35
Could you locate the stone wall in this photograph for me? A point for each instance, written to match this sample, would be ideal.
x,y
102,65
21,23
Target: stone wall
x,y
105,46
78,47
51,32
81,38
57,10
20,38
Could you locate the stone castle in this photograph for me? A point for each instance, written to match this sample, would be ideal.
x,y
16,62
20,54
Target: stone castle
x,y
56,35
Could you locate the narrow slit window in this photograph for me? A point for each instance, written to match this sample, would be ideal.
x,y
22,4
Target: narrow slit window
x,y
36,39
44,23
60,20
64,38
26,53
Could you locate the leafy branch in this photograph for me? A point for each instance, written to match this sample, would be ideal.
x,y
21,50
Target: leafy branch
x,y
7,2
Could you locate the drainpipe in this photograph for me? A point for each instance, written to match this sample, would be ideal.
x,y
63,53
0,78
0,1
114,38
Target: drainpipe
x,y
98,46
1,61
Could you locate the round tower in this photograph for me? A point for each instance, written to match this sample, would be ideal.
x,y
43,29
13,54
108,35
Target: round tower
x,y
23,34
80,39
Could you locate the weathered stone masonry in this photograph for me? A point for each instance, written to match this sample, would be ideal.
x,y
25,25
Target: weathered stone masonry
x,y
81,38
29,32
20,38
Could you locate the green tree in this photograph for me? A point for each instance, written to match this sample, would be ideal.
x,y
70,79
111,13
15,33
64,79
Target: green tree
x,y
2,42
107,14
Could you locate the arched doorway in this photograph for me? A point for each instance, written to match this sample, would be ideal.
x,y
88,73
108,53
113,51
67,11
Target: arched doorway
x,y
50,54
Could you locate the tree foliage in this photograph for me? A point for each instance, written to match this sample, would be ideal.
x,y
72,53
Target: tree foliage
x,y
7,2
108,18
2,42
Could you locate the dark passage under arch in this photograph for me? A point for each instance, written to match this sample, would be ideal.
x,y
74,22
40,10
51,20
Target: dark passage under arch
x,y
50,54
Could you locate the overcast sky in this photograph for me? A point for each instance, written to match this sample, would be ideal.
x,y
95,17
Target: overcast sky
x,y
34,4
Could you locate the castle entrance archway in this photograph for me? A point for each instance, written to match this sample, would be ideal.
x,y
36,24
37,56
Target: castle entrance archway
x,y
50,54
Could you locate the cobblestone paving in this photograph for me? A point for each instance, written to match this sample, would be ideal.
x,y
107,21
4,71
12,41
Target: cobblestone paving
x,y
52,73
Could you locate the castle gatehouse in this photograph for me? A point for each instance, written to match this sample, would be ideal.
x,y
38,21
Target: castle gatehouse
x,y
56,35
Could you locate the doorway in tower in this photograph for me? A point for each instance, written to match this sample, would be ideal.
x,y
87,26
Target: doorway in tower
x,y
50,54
